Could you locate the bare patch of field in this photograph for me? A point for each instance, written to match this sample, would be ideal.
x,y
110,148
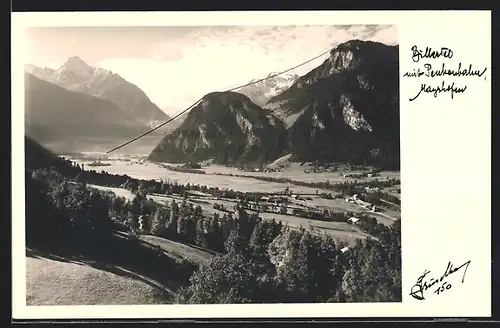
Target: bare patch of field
x,y
335,205
294,171
152,171
341,231
52,282
387,217
192,253
205,204
119,192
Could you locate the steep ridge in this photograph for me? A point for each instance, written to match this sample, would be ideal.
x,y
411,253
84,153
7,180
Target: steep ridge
x,y
227,127
346,109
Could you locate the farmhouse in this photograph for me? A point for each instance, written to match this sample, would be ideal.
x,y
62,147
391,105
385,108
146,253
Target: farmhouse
x,y
363,203
353,219
345,249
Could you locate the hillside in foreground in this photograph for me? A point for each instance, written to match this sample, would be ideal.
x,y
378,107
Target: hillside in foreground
x,y
56,282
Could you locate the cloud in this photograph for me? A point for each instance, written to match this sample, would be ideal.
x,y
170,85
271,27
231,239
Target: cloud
x,y
179,71
52,65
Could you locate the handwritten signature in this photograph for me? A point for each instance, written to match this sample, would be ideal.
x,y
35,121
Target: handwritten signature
x,y
440,284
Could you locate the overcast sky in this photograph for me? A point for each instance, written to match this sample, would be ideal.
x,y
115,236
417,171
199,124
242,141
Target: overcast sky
x,y
175,66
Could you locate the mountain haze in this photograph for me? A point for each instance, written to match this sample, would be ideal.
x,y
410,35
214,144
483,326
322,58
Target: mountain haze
x,y
76,75
53,113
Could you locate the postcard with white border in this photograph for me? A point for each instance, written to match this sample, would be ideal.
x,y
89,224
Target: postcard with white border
x,y
251,164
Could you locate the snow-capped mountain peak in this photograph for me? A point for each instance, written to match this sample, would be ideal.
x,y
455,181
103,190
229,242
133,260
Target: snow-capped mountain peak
x,y
262,91
77,66
76,75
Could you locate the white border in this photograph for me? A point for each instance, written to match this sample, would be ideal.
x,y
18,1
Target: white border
x,y
445,165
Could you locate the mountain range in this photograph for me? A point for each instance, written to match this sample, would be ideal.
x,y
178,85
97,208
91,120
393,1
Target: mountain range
x,y
79,108
76,75
346,110
55,113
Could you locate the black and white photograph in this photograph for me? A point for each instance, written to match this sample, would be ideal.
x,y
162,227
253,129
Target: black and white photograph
x,y
212,164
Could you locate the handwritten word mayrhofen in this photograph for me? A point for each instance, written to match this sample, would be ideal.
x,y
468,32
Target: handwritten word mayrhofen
x,y
436,90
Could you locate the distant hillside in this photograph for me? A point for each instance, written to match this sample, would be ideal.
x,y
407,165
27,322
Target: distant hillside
x,y
175,124
346,109
53,113
227,127
37,156
77,75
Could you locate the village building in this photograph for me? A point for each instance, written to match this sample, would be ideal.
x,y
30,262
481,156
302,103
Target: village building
x,y
353,220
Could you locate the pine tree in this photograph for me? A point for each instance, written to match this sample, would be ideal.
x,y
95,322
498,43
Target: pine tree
x,y
234,243
301,267
191,229
158,222
133,222
172,223
198,212
200,234
182,228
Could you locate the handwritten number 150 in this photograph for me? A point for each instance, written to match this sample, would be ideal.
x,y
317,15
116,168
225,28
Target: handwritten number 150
x,y
443,288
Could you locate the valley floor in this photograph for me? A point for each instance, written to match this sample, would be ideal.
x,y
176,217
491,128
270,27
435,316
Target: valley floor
x,y
65,279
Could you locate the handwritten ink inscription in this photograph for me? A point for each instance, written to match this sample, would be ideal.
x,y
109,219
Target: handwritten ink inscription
x,y
437,285
440,71
430,53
